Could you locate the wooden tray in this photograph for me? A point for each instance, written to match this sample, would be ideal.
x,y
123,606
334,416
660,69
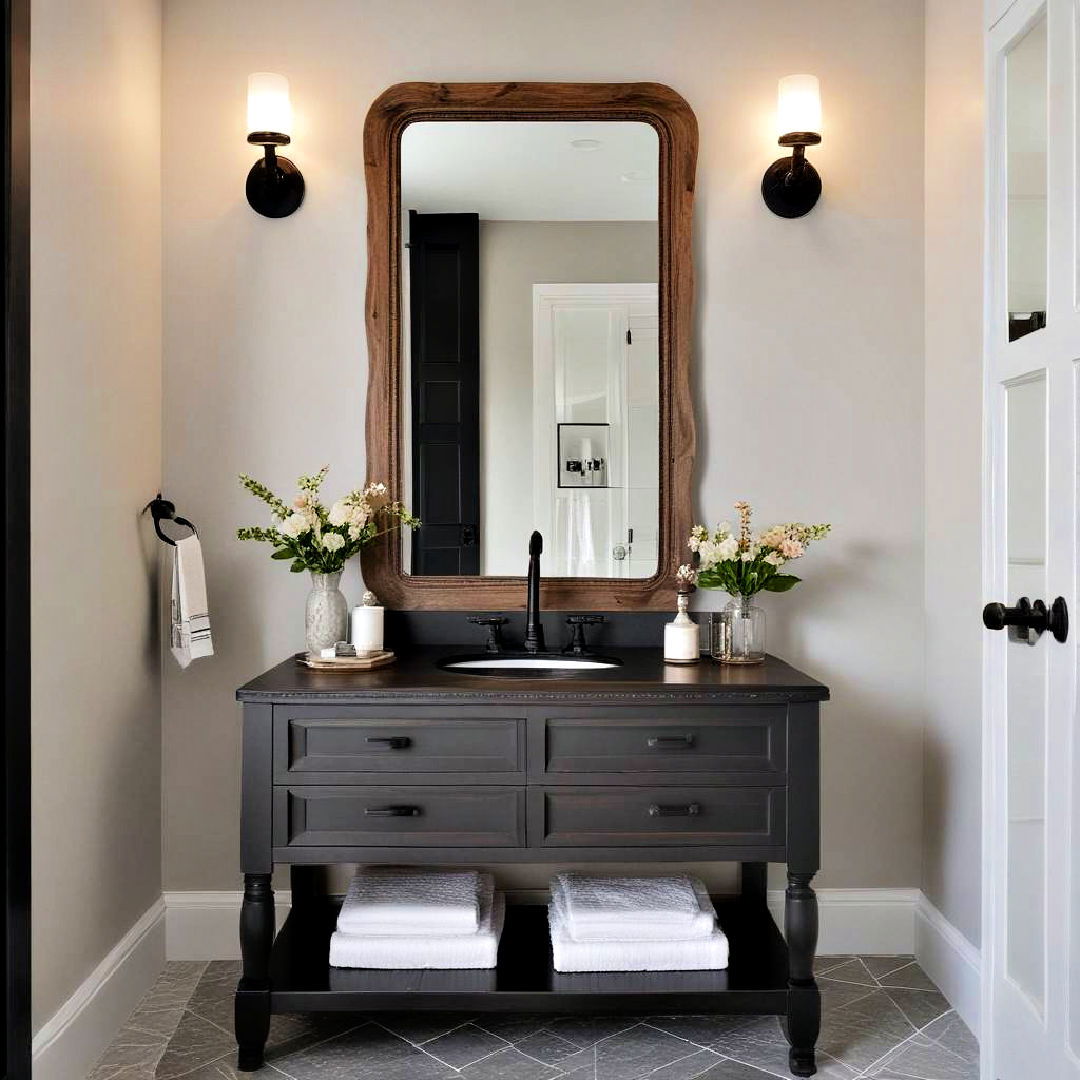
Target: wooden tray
x,y
346,663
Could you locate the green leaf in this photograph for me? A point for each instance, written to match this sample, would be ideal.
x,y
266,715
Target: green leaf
x,y
297,567
781,583
282,553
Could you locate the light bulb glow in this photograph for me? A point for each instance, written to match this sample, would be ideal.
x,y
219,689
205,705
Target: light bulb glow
x,y
269,107
798,105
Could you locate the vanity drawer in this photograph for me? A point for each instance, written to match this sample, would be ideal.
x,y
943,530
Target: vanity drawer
x,y
657,817
399,817
325,745
744,743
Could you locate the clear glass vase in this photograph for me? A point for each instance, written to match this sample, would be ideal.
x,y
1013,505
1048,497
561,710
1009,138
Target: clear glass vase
x,y
738,632
326,619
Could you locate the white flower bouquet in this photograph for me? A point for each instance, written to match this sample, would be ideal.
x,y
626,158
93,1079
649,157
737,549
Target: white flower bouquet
x,y
743,564
312,537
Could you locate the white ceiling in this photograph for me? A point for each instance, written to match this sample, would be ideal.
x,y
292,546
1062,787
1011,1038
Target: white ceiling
x,y
530,171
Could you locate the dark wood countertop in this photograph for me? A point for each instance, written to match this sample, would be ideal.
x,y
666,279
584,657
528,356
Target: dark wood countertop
x,y
643,677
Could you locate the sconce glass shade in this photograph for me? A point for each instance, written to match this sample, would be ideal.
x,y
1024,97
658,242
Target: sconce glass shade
x,y
798,108
269,109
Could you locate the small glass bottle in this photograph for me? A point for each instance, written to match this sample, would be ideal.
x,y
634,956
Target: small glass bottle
x,y
682,643
738,632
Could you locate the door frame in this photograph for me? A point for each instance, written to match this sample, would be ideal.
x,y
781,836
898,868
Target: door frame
x,y
15,801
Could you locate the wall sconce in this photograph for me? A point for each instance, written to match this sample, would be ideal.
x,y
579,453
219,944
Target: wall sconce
x,y
791,185
275,186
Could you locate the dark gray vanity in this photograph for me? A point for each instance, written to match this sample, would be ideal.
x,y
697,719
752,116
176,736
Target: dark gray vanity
x,y
414,764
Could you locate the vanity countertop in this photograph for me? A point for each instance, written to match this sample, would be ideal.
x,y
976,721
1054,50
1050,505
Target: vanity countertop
x,y
643,676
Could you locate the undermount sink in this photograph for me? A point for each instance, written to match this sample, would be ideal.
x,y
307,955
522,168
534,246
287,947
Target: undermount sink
x,y
527,665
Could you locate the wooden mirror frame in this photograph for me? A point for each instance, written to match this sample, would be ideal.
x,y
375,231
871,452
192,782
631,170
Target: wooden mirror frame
x,y
676,127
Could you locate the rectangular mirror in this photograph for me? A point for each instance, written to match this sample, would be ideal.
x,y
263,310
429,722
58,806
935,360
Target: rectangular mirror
x,y
530,337
531,244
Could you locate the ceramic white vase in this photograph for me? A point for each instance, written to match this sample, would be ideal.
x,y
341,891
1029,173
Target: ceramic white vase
x,y
327,614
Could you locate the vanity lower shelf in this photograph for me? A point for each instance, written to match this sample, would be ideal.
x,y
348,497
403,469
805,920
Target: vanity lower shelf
x,y
756,980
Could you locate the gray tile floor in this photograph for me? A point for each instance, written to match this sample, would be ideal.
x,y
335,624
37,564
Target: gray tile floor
x,y
883,1018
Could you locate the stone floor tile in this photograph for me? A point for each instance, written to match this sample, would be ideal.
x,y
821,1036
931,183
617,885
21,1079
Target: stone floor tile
x,y
919,1006
854,971
884,965
929,1061
197,1042
513,1027
421,1027
910,977
691,1067
546,1046
587,1031
826,963
464,1045
860,1034
510,1064
630,1054
704,1031
368,1052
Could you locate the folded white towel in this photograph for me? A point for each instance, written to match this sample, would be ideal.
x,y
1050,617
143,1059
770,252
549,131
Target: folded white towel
x,y
414,900
569,955
190,617
617,928
592,900
476,950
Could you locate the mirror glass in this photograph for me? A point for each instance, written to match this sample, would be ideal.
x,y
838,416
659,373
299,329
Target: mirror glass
x,y
530,346
1026,139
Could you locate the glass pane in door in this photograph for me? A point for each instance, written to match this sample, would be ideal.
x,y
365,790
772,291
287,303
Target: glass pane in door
x,y
1026,136
1026,676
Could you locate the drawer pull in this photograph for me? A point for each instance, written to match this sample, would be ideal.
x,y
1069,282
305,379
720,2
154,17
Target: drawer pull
x,y
671,742
392,811
674,810
389,742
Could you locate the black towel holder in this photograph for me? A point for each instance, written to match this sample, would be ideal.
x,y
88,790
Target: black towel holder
x,y
163,510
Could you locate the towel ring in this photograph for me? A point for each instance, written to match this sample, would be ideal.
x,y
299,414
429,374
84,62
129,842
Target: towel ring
x,y
163,510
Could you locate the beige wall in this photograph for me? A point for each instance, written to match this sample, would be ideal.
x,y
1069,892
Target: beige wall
x,y
514,256
95,461
953,586
808,343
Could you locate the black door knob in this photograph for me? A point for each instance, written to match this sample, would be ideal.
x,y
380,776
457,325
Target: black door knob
x,y
1029,617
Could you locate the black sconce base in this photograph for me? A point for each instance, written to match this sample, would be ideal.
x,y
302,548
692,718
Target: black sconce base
x,y
275,187
791,188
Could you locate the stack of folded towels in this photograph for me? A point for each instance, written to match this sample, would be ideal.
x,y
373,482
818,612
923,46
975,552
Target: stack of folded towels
x,y
634,924
400,917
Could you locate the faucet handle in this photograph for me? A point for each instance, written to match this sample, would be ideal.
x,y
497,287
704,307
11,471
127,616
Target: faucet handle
x,y
577,624
494,624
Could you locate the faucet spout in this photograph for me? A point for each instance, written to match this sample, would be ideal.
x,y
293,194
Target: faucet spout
x,y
534,630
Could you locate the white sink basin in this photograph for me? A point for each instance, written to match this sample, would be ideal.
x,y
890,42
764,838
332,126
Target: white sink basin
x,y
528,663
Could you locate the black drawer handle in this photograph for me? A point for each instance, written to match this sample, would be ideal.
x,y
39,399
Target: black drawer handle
x,y
392,811
389,742
677,810
671,742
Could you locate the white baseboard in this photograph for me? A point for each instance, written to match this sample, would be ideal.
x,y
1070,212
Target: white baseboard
x,y
70,1042
860,920
951,961
205,925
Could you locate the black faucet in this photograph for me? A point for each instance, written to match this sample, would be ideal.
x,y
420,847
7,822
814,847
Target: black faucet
x,y
534,630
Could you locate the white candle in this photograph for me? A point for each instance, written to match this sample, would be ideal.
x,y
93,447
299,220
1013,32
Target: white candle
x,y
366,628
681,642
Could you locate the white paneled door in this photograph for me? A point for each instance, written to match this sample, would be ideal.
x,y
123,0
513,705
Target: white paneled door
x,y
1031,924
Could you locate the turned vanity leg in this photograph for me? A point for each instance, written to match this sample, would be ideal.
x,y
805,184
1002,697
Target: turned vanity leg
x,y
252,1016
804,1000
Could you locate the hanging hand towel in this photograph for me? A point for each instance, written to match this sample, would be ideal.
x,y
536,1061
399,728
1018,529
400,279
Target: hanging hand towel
x,y
570,955
402,950
399,899
190,634
592,900
618,928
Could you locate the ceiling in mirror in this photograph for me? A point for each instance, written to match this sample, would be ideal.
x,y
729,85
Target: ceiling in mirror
x,y
530,346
